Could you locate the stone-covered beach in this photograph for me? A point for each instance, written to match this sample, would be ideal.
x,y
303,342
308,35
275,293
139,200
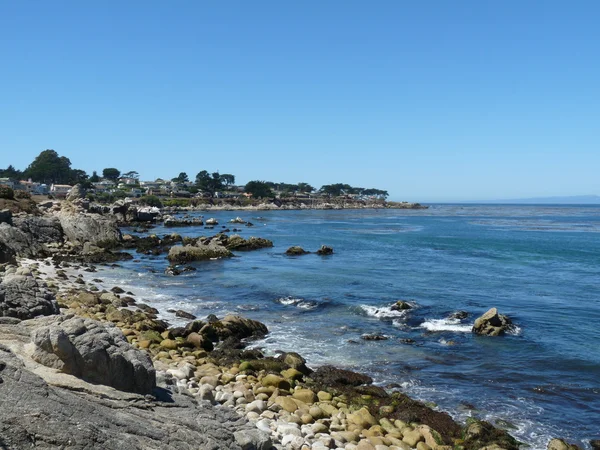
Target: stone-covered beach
x,y
84,365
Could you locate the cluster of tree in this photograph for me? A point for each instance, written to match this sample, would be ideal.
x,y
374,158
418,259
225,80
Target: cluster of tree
x,y
290,188
214,182
335,190
48,167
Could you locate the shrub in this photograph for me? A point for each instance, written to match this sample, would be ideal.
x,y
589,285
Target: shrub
x,y
180,202
7,193
20,195
151,200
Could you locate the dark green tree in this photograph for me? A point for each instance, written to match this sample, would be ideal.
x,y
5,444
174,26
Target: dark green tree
x,y
12,173
131,174
228,179
258,189
110,173
305,187
209,183
94,178
49,168
181,178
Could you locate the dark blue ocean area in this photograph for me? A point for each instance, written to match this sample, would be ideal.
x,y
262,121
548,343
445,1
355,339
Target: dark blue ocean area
x,y
539,265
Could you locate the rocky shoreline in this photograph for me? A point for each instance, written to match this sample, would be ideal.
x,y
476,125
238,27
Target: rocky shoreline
x,y
69,344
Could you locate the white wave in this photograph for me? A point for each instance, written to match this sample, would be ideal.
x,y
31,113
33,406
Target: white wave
x,y
382,312
453,325
289,300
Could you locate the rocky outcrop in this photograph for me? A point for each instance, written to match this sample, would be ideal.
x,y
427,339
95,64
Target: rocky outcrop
x,y
171,221
6,216
560,444
41,229
492,324
47,411
236,242
16,242
295,251
201,251
401,305
98,230
76,193
212,221
325,250
23,297
239,327
93,351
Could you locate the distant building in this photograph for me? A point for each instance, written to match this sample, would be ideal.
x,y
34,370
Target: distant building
x,y
7,182
60,190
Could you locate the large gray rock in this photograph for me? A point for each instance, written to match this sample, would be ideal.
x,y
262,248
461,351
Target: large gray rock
x,y
80,228
42,229
36,411
6,216
19,243
96,352
76,193
492,324
201,251
23,297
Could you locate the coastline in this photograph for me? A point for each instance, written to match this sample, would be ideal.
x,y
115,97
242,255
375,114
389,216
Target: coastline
x,y
374,426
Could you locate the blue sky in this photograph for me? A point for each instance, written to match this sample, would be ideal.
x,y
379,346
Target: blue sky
x,y
431,100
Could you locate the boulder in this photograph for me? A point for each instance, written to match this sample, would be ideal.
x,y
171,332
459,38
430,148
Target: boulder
x,y
93,351
15,242
6,216
239,327
492,324
23,297
212,221
68,413
237,242
332,376
212,249
98,230
559,444
295,251
237,220
42,229
325,250
76,193
400,305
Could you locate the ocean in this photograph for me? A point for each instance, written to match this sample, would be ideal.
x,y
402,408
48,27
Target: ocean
x,y
540,265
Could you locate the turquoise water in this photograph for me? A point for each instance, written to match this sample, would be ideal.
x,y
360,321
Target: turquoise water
x,y
540,265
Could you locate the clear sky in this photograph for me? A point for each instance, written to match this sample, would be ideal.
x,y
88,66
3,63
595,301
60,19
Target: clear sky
x,y
431,100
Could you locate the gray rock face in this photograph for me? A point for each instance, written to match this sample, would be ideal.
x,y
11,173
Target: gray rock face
x,y
492,324
23,297
6,216
93,351
76,192
93,228
42,229
19,243
46,416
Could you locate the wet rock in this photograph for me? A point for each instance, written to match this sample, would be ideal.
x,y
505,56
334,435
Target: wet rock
x,y
93,351
296,251
201,251
374,337
238,243
212,221
492,324
184,314
401,305
559,444
332,376
459,315
325,250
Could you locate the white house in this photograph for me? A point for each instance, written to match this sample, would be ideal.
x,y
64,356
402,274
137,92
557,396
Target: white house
x,y
60,190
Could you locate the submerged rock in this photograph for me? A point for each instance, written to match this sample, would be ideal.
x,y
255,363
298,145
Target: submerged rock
x,y
492,324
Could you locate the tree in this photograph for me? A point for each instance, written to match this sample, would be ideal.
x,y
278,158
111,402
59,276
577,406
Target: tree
x,y
228,179
78,177
49,168
111,173
305,187
181,178
131,174
259,189
94,178
12,173
209,183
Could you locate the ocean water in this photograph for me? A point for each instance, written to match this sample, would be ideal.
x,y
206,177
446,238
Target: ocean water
x,y
540,265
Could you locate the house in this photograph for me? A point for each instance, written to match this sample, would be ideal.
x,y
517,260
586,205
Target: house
x,y
7,182
60,190
136,192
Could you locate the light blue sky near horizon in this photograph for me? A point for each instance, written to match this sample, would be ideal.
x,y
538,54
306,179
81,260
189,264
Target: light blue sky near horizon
x,y
431,100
